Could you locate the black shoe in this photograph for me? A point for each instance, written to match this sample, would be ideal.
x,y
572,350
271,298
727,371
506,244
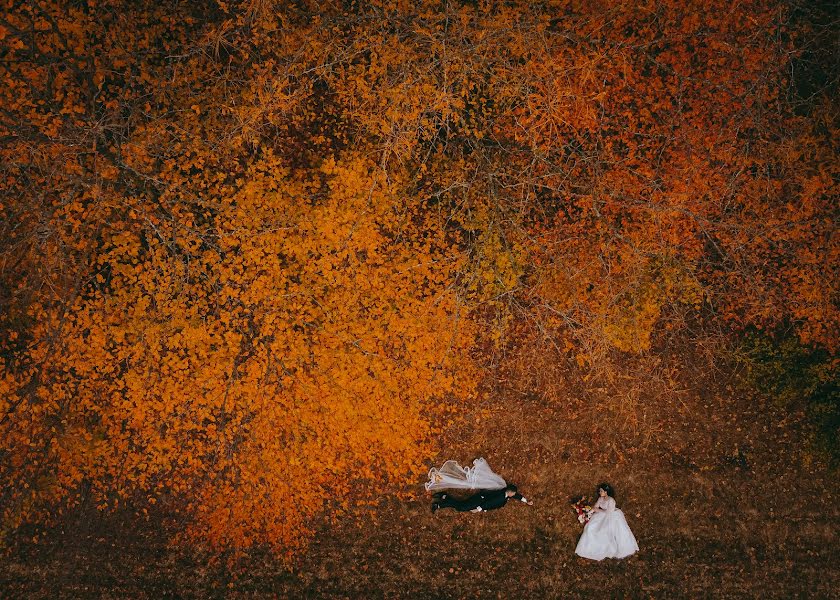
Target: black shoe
x,y
435,506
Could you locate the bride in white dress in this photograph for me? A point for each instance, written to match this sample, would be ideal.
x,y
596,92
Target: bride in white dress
x,y
607,534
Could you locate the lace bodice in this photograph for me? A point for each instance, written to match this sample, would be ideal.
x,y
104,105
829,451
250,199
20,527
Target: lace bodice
x,y
607,504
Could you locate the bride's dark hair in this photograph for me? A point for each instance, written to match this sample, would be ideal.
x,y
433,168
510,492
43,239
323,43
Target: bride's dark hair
x,y
607,488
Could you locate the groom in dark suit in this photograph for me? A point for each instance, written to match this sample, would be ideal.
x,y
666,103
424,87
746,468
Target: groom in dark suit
x,y
481,501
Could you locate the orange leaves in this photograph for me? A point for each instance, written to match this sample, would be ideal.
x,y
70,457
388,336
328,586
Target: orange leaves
x,y
304,340
253,263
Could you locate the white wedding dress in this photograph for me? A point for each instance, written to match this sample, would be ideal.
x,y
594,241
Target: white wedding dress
x,y
607,534
452,476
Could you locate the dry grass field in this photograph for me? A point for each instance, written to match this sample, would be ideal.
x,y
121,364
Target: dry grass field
x,y
718,486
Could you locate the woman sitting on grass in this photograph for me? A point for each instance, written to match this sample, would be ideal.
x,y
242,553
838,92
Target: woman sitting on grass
x,y
607,534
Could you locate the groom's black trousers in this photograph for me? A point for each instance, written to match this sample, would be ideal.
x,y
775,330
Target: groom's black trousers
x,y
484,499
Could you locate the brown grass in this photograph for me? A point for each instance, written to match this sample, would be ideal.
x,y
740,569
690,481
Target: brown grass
x,y
718,486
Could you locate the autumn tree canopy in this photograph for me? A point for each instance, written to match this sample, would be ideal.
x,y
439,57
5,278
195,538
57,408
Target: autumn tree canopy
x,y
249,249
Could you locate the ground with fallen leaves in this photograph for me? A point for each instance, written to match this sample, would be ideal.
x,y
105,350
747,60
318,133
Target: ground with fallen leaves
x,y
718,485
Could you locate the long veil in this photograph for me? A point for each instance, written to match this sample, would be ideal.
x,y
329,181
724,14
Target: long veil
x,y
453,476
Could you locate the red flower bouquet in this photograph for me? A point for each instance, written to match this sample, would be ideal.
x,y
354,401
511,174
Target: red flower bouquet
x,y
582,508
